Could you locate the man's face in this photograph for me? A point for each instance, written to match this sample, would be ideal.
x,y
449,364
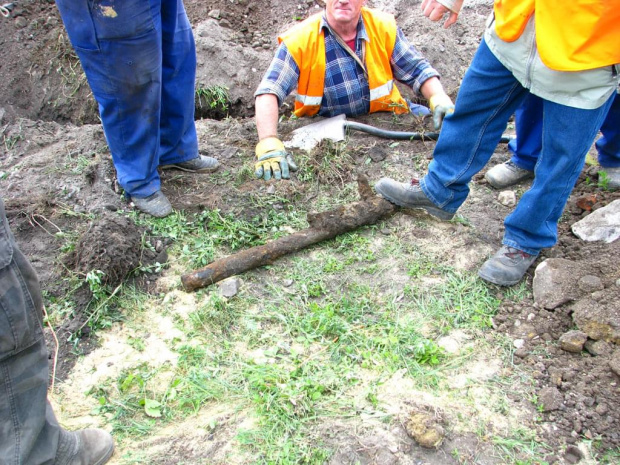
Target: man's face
x,y
343,12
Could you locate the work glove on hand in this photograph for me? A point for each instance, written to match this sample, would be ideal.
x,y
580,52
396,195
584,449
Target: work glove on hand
x,y
441,106
272,160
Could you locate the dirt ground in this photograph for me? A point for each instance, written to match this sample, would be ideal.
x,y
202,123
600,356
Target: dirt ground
x,y
57,178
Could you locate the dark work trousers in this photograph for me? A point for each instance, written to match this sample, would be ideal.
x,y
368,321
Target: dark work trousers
x,y
139,58
29,432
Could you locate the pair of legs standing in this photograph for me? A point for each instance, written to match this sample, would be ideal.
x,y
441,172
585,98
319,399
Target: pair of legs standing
x,y
527,146
488,96
139,58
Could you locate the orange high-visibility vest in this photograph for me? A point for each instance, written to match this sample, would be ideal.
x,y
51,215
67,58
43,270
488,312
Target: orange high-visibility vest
x,y
571,35
306,43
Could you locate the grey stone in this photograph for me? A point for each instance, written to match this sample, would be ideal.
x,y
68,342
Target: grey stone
x,y
230,287
600,225
554,282
449,344
590,283
573,341
598,348
507,198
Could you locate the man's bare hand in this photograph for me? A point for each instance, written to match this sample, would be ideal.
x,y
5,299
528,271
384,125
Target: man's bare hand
x,y
435,11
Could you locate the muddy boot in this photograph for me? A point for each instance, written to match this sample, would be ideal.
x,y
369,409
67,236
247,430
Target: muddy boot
x,y
409,195
200,164
506,267
507,174
156,204
613,177
84,447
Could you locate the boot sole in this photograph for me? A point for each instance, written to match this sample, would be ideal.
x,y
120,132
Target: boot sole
x,y
498,185
499,282
106,457
433,211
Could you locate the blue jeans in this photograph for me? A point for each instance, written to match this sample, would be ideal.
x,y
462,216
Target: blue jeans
x,y
488,96
29,432
608,146
528,144
140,61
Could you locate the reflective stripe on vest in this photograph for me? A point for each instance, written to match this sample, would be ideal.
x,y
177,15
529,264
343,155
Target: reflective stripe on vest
x,y
306,43
571,35
308,100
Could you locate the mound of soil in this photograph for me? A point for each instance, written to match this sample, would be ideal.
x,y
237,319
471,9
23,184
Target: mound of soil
x,y
112,245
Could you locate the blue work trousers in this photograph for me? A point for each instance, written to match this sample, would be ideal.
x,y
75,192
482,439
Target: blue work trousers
x,y
29,432
528,144
139,58
488,96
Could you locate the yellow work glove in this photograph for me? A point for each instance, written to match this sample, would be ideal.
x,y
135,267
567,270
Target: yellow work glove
x,y
441,106
272,160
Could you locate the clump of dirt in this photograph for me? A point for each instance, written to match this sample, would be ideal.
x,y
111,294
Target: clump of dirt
x,y
425,428
112,245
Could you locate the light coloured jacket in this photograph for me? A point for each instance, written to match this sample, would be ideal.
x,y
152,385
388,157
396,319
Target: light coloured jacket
x,y
584,88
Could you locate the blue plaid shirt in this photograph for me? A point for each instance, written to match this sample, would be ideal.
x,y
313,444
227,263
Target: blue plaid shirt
x,y
346,88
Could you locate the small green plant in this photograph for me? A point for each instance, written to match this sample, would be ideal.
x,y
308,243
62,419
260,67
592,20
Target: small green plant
x,y
102,308
522,447
606,457
14,136
603,180
11,141
93,279
214,98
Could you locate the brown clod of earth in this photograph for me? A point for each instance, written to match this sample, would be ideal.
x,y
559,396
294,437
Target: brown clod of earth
x,y
586,202
425,429
111,244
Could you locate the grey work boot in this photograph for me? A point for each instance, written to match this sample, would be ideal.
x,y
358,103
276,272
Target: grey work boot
x,y
506,267
84,447
507,174
409,195
200,164
613,177
156,204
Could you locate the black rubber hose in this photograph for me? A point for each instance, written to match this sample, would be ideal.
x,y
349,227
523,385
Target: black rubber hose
x,y
402,135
